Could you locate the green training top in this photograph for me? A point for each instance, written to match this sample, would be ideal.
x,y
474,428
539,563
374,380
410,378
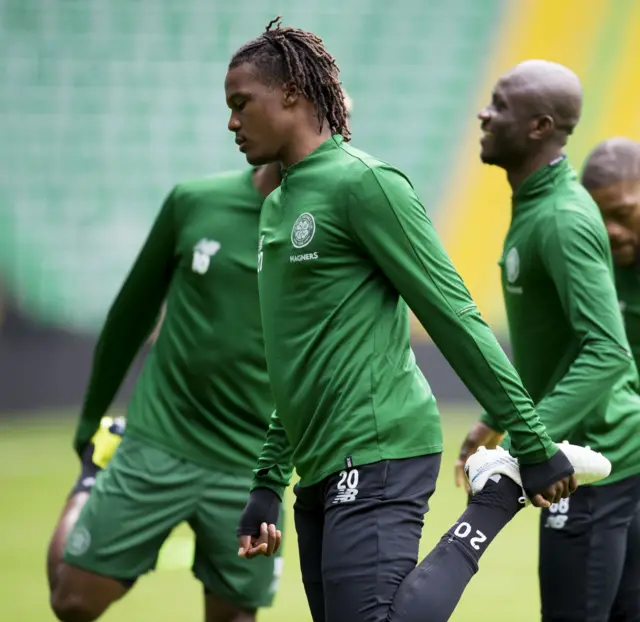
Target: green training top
x,y
566,330
628,288
344,242
203,393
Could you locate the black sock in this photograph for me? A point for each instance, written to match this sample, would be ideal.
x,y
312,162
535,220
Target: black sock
x,y
434,588
88,472
485,516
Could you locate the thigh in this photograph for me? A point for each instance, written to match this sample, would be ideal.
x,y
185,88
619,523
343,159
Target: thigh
x,y
582,552
309,519
627,603
247,584
136,501
374,516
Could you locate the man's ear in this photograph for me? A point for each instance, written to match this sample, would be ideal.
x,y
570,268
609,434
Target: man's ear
x,y
290,94
541,127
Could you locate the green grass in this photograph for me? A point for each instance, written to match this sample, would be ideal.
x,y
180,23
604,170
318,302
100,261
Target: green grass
x,y
37,468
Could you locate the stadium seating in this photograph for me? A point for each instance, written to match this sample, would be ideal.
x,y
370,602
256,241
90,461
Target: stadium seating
x,y
111,103
599,40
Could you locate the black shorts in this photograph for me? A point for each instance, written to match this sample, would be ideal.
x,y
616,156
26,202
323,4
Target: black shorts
x,y
358,536
589,565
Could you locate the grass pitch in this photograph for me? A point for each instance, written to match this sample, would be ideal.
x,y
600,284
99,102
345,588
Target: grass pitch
x,y
37,468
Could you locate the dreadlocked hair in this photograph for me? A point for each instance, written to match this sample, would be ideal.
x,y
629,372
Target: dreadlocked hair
x,y
285,54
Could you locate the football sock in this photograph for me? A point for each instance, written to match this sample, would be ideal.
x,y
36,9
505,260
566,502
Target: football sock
x,y
434,588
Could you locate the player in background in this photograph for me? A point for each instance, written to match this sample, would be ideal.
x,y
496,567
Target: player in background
x,y
344,242
568,340
611,174
156,330
197,419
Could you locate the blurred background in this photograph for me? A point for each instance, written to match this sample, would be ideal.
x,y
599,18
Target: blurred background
x,y
104,106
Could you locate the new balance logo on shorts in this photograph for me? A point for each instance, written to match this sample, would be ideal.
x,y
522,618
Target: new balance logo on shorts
x,y
347,486
558,514
346,496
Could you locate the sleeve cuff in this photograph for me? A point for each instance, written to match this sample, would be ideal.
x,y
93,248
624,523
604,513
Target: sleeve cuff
x,y
272,478
84,432
488,420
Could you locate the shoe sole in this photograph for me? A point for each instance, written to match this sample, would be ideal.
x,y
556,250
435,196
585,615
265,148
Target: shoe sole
x,y
589,466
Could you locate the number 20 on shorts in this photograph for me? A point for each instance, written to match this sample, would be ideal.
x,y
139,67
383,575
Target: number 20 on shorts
x,y
347,486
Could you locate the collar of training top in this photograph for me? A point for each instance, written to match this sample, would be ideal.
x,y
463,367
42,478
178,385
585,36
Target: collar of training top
x,y
544,179
328,145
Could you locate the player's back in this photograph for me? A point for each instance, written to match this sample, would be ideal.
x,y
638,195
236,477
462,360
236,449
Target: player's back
x,y
204,392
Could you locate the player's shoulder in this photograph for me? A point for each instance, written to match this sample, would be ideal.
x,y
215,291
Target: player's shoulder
x,y
219,192
573,213
573,203
217,183
359,167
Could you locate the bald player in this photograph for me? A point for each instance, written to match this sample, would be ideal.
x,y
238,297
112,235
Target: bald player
x,y
568,340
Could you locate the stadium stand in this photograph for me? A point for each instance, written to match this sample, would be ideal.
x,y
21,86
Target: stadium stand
x,y
111,103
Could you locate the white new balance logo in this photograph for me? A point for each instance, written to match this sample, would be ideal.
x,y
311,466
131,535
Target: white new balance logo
x,y
346,496
558,514
556,522
347,486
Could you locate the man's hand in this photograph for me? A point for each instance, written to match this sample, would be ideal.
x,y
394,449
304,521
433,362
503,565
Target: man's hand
x,y
549,481
257,532
267,543
560,490
479,434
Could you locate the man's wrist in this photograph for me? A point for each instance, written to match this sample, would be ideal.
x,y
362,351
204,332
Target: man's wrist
x,y
538,477
263,507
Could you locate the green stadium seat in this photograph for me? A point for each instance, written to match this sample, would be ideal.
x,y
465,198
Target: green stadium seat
x,y
110,104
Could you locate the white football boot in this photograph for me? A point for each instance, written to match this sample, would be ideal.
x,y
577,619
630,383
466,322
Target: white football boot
x,y
589,466
488,464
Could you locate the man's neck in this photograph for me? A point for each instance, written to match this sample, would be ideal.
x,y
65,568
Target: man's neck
x,y
267,178
517,175
305,141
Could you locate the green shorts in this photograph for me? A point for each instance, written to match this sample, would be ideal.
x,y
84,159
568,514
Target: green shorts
x,y
137,501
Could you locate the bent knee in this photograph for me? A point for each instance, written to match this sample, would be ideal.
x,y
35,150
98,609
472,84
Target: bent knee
x,y
69,606
218,610
235,615
83,596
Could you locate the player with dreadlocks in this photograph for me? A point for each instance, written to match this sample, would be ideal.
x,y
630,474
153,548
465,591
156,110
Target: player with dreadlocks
x,y
196,422
344,242
314,94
